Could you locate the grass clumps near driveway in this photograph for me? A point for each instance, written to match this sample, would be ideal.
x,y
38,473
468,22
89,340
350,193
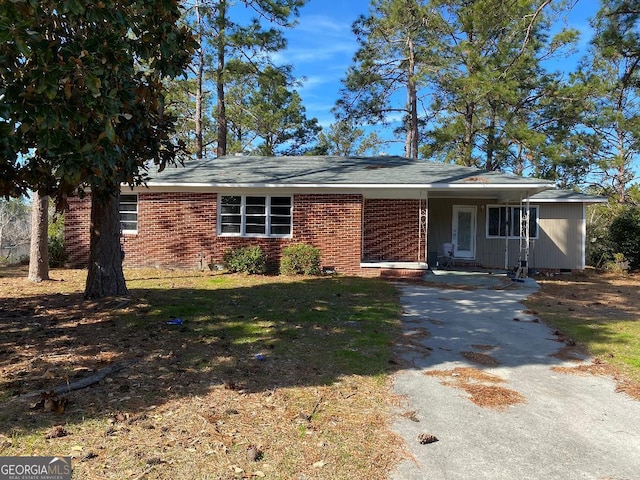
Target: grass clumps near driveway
x,y
236,376
597,311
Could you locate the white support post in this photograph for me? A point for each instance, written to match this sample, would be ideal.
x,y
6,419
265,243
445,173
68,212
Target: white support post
x,y
423,227
506,239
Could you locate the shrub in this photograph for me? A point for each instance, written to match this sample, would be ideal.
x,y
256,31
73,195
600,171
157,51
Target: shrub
x,y
618,265
625,235
57,255
249,260
300,259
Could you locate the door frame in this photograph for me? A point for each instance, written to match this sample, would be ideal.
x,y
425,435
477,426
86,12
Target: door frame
x,y
471,253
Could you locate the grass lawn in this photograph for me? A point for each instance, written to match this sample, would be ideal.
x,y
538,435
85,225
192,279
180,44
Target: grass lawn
x,y
276,377
598,310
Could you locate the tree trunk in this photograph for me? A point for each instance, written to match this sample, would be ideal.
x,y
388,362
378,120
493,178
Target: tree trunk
x,y
491,142
199,94
221,110
39,251
467,143
411,149
105,276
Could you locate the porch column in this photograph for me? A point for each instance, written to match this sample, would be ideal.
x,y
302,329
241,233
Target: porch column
x,y
423,226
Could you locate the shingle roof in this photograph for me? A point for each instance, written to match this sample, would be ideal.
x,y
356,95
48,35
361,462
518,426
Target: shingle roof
x,y
253,171
567,196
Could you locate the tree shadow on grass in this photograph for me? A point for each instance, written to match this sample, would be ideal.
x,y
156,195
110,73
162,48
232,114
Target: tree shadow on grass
x,y
185,341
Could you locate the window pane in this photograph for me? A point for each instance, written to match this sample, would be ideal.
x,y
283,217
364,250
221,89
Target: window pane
x,y
494,221
498,221
280,210
281,201
230,228
255,209
514,221
280,229
129,225
250,215
256,220
256,200
230,209
226,200
277,220
280,217
255,229
533,222
128,212
231,219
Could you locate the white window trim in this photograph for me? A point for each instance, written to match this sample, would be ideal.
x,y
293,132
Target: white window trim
x,y
129,231
511,237
243,217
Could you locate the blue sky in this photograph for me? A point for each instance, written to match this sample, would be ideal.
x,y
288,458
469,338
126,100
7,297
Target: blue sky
x,y
321,48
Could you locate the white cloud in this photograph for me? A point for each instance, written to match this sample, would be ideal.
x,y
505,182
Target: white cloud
x,y
323,24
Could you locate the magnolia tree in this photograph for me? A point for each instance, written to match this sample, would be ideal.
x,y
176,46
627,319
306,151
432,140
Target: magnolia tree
x,y
82,107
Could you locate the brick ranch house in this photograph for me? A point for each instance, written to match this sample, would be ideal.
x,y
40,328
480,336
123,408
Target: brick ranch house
x,y
368,216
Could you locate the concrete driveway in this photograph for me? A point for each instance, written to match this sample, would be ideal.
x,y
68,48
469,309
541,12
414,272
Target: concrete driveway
x,y
569,426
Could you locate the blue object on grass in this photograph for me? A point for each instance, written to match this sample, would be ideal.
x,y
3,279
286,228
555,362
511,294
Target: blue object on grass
x,y
175,321
260,357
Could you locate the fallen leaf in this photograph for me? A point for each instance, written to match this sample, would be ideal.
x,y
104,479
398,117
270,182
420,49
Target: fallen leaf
x,y
77,448
319,464
258,473
426,438
56,432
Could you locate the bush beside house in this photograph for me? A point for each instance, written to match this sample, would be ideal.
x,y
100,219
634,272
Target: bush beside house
x,y
300,259
251,260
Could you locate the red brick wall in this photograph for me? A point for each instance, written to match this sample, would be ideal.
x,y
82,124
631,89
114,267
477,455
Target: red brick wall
x,y
391,230
332,223
76,231
174,229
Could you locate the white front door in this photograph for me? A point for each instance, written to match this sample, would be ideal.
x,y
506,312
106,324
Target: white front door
x,y
463,231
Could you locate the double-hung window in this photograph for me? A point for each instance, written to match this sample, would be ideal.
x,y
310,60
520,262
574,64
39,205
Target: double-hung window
x,y
255,216
129,213
511,221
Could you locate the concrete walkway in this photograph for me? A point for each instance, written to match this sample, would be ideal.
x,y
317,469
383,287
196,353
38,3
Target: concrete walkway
x,y
571,427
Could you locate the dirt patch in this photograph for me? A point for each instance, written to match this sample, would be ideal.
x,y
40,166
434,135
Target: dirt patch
x,y
594,314
465,374
630,388
591,294
482,387
410,341
602,369
493,396
483,348
415,334
480,359
573,353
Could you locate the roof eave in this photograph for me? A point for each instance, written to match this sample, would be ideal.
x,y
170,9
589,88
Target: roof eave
x,y
417,186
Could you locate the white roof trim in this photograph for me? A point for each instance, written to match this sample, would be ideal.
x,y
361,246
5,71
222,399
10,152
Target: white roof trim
x,y
423,186
568,200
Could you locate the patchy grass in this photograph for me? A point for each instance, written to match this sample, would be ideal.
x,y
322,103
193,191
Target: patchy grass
x,y
276,377
598,310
